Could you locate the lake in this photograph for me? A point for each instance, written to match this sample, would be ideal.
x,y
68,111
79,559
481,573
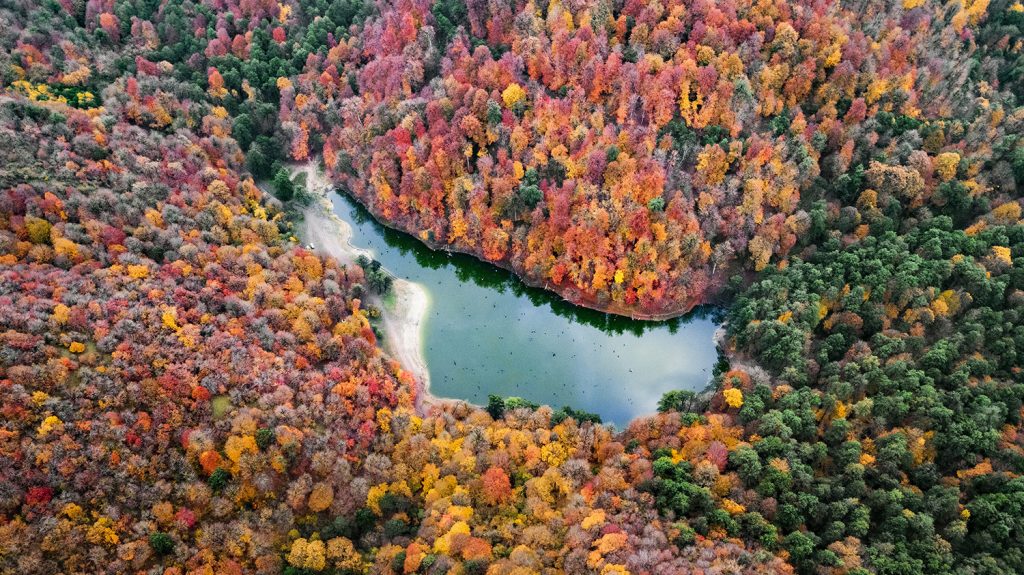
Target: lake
x,y
488,333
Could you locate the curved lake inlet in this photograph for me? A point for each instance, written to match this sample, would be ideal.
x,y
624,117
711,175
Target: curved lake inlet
x,y
488,333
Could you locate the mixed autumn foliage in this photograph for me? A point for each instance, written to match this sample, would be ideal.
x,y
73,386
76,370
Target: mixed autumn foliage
x,y
184,389
631,155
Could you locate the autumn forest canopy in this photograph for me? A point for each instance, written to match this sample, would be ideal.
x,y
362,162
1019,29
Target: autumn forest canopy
x,y
186,389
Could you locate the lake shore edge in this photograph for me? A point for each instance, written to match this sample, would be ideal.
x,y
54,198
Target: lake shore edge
x,y
402,321
567,293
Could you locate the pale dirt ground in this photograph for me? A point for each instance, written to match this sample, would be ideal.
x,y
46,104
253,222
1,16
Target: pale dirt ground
x,y
402,317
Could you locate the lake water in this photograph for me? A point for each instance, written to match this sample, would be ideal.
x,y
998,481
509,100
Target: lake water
x,y
487,332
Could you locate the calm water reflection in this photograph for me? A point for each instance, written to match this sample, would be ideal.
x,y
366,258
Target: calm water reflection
x,y
487,332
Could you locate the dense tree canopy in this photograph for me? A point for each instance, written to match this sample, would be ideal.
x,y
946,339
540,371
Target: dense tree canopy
x,y
185,389
632,156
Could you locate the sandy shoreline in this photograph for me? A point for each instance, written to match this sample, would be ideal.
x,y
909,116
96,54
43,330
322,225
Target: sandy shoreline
x,y
402,321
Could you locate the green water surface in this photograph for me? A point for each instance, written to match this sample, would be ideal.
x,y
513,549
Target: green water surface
x,y
487,332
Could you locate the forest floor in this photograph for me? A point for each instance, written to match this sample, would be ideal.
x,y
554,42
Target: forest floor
x,y
403,313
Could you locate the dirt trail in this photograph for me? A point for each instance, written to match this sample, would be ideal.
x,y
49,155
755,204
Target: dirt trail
x,y
403,318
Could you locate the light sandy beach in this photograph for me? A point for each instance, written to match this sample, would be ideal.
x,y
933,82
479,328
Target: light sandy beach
x,y
403,318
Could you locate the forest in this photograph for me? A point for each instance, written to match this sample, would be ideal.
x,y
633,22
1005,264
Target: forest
x,y
186,389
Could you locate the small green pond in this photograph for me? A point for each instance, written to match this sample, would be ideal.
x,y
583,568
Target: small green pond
x,y
487,332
